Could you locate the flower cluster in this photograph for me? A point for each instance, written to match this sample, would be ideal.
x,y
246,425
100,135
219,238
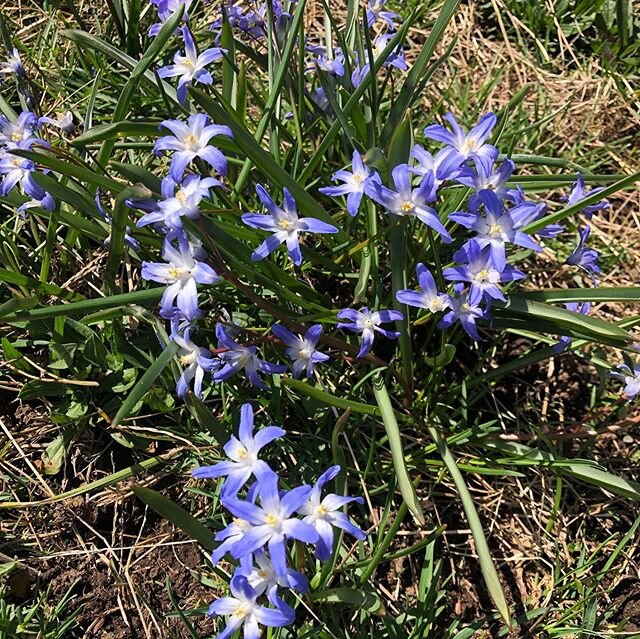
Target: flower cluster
x,y
266,519
21,135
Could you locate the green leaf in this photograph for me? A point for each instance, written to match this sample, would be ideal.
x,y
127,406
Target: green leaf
x,y
587,471
600,294
552,218
98,484
9,277
390,422
91,41
368,601
56,452
144,383
35,388
262,160
326,398
410,89
85,306
122,106
535,315
487,566
443,358
177,515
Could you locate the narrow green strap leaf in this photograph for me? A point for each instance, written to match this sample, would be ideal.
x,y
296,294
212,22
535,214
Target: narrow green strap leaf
x,y
600,294
177,515
157,45
552,218
368,601
83,307
145,382
522,307
119,220
91,41
407,93
10,277
117,130
487,566
98,484
71,169
407,489
326,398
586,471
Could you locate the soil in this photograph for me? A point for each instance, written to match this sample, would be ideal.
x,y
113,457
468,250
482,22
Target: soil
x,y
115,559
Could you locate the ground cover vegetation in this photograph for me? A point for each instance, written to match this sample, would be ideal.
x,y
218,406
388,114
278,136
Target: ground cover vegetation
x,y
319,319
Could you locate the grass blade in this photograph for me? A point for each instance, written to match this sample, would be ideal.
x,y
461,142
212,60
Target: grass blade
x,y
487,566
144,383
407,489
177,515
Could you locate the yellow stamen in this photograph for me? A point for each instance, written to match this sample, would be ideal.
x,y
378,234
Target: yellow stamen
x,y
271,520
407,206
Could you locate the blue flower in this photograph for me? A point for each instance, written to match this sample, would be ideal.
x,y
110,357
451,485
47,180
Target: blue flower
x,y
332,66
525,212
234,532
631,378
325,514
63,122
429,299
301,350
355,183
368,323
17,170
263,579
191,141
495,229
243,455
576,307
579,192
181,272
242,18
477,267
584,257
191,67
39,197
407,201
472,145
463,311
13,65
285,225
129,240
237,357
242,610
185,202
484,177
395,59
319,96
21,133
166,8
444,166
272,522
376,13
195,360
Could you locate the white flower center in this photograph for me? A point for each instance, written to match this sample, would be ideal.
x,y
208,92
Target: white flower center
x,y
189,358
241,611
407,207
